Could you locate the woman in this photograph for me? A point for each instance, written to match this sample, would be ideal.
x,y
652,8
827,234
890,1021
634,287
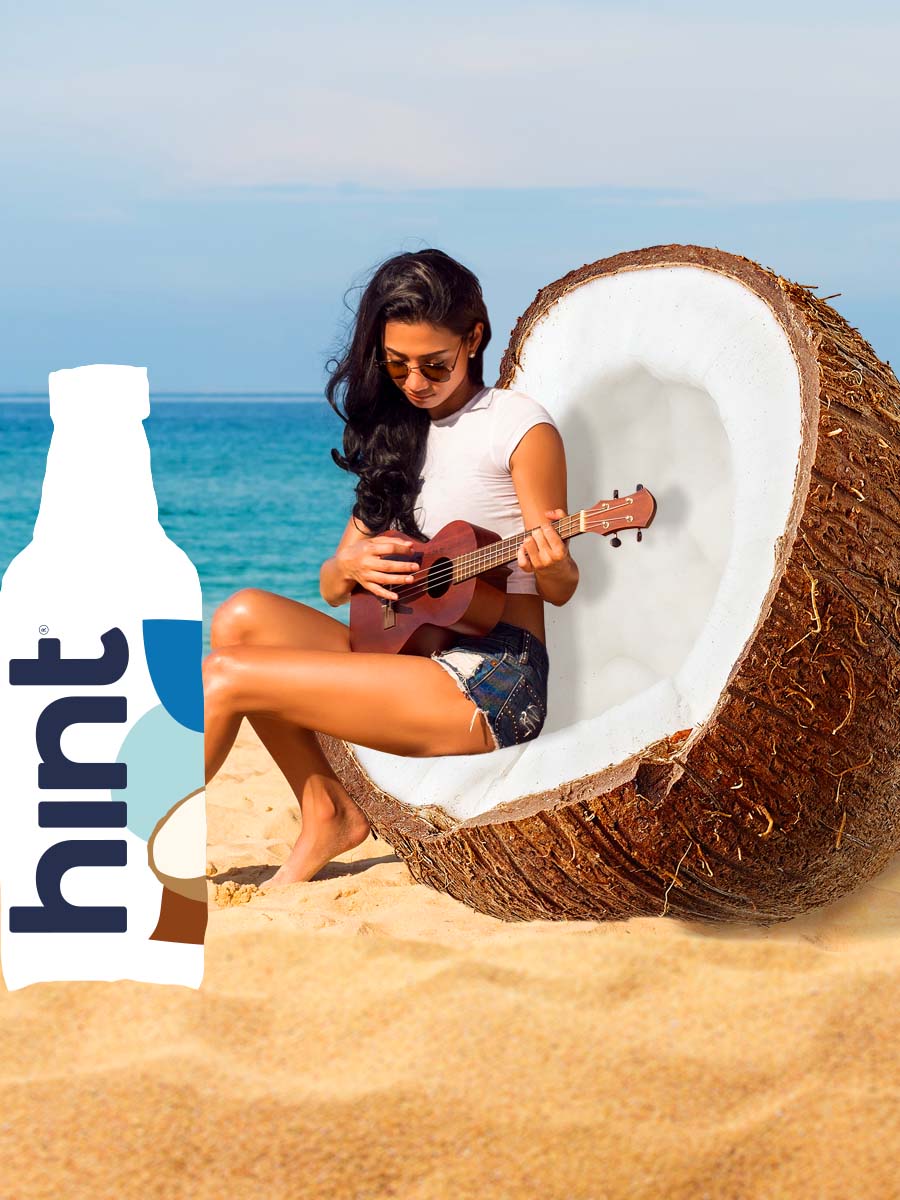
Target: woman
x,y
428,443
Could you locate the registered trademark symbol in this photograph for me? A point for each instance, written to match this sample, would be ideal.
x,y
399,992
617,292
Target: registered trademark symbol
x,y
44,629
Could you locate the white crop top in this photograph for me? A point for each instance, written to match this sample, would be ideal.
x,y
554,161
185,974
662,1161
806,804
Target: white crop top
x,y
466,471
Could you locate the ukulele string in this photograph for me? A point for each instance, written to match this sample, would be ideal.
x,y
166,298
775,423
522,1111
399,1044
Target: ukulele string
x,y
430,579
411,591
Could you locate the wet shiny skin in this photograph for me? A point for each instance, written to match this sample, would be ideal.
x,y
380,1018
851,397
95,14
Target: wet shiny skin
x,y
289,670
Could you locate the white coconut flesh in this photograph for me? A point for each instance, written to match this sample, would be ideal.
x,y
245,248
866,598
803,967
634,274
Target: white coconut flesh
x,y
177,846
683,380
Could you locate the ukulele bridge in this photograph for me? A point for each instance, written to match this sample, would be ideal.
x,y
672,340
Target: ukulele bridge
x,y
388,615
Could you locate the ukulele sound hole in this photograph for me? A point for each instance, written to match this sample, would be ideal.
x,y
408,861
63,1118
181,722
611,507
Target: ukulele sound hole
x,y
440,576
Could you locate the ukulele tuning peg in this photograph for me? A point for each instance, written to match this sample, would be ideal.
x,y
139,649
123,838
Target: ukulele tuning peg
x,y
640,536
615,494
616,541
639,488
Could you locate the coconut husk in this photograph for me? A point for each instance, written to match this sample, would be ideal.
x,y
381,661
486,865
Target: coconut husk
x,y
785,798
181,918
183,901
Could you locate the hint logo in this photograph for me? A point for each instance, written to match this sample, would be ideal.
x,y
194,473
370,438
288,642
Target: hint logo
x,y
54,914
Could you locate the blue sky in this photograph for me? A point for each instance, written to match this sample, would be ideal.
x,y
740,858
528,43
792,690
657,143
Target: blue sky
x,y
194,187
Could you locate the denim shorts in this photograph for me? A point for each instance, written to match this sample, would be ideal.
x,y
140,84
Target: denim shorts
x,y
505,673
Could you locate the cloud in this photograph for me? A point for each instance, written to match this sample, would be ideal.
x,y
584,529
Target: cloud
x,y
649,96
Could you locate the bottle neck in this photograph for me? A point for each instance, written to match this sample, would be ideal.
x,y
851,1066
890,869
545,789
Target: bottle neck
x,y
98,478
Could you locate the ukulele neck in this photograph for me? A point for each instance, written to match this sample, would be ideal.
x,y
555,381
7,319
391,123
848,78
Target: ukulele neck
x,y
497,554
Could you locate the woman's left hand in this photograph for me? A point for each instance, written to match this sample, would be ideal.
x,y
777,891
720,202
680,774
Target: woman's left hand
x,y
544,550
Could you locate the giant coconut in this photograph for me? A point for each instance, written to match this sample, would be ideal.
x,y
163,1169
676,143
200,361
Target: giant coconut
x,y
722,737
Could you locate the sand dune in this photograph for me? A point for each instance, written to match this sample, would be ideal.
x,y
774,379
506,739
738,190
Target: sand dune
x,y
363,1036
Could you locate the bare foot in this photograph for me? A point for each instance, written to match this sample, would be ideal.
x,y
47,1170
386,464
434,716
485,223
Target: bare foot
x,y
329,828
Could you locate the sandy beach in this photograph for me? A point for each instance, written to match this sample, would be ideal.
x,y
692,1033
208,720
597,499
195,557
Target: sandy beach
x,y
363,1036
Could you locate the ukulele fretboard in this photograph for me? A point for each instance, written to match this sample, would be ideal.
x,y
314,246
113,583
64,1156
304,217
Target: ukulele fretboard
x,y
497,554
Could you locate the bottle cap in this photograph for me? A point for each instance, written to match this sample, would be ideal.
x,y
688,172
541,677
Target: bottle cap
x,y
100,392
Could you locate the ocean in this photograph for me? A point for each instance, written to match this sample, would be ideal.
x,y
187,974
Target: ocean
x,y
246,486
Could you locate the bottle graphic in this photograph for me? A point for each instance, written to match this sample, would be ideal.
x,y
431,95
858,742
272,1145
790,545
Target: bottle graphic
x,y
102,802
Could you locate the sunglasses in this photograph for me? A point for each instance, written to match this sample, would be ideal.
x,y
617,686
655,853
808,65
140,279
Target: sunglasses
x,y
433,372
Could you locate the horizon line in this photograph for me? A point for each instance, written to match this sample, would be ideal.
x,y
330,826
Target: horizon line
x,y
216,395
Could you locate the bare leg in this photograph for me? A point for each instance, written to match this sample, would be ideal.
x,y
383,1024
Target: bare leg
x,y
331,822
398,703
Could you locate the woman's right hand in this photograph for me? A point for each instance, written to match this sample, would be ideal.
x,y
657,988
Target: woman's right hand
x,y
366,563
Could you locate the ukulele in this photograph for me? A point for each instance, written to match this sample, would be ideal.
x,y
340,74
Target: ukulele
x,y
459,586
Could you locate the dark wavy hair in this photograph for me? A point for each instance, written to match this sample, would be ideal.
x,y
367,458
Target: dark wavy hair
x,y
385,435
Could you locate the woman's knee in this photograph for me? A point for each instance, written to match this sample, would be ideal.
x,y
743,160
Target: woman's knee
x,y
217,671
235,619
229,675
256,617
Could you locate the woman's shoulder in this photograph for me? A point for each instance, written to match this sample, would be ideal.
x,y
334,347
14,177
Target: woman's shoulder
x,y
515,413
503,392
513,406
512,398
